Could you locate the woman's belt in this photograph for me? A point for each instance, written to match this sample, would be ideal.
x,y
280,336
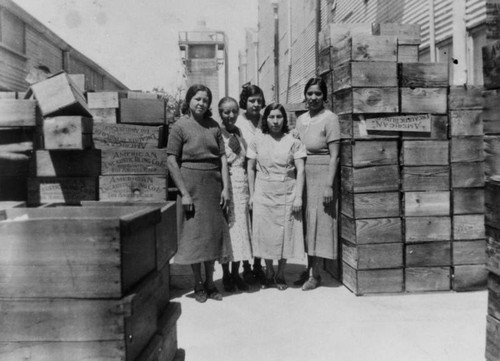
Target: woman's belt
x,y
202,164
275,177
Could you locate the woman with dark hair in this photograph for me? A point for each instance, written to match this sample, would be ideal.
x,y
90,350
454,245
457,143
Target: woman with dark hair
x,y
198,166
251,102
276,181
320,132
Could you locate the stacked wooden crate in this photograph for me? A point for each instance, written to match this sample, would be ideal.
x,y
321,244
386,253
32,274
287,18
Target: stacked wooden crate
x,y
133,163
66,166
84,284
18,119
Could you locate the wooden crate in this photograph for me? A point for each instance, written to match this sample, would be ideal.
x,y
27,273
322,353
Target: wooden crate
x,y
68,190
325,60
466,149
78,329
371,231
469,252
427,229
15,164
438,130
59,95
353,127
364,48
465,97
13,188
17,113
425,178
371,179
408,53
424,100
134,161
466,123
422,279
492,204
406,33
469,226
140,95
492,156
369,153
372,281
166,229
11,204
370,205
127,136
142,111
492,339
429,254
103,100
424,75
133,188
425,204
491,121
67,132
469,277
491,67
107,116
68,163
76,252
365,74
425,152
8,95
372,256
467,175
468,200
366,101
494,295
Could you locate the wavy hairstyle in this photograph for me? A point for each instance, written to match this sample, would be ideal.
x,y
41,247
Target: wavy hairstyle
x,y
249,90
267,111
191,92
322,86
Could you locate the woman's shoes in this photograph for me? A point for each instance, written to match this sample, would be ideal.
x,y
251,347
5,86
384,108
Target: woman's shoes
x,y
229,284
238,282
268,283
200,294
214,294
311,283
304,276
281,284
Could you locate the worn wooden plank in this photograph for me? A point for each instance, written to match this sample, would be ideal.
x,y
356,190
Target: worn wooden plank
x,y
469,277
466,149
466,123
362,154
429,254
372,179
492,203
167,329
69,190
492,339
406,33
371,231
421,279
424,75
7,95
69,163
127,136
439,129
365,74
423,204
324,61
425,152
17,113
142,111
491,111
107,116
408,53
67,132
15,163
427,229
469,226
133,188
469,252
353,127
424,100
372,281
492,156
102,100
13,188
493,249
425,178
366,101
465,97
371,205
11,204
373,256
134,161
494,295
141,95
491,66
468,200
409,123
467,175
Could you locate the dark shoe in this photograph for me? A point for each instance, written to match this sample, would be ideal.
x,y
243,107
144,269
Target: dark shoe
x,y
281,284
248,276
304,276
311,283
228,283
200,296
259,274
242,286
268,283
214,294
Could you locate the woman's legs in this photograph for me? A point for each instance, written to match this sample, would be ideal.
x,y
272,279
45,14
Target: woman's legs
x,y
227,279
314,274
212,291
304,276
280,277
199,290
235,277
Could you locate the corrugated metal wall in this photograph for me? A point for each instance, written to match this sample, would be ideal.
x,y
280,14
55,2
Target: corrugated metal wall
x,y
13,71
475,12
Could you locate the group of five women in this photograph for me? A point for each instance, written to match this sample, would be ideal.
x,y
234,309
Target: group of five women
x,y
250,189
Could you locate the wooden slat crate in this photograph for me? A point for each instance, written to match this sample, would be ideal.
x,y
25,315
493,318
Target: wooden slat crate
x,y
492,203
353,127
325,60
372,281
469,252
425,152
15,164
142,111
493,250
103,100
11,204
467,175
466,149
466,123
427,229
59,95
492,339
426,204
133,161
421,279
469,277
372,256
408,53
491,67
67,132
141,95
366,101
371,179
424,100
468,200
8,95
371,231
18,113
465,97
438,130
68,163
491,121
127,136
369,153
342,31
492,156
429,254
364,48
469,226
365,75
68,190
370,205
406,33
13,188
107,116
425,178
424,75
494,295
133,188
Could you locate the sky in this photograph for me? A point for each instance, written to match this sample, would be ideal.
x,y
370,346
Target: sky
x,y
137,40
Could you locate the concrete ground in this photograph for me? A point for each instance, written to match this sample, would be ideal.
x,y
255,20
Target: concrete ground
x,y
329,323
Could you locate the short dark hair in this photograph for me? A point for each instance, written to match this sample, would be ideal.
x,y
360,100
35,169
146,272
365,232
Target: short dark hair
x,y
267,111
191,92
249,90
226,100
322,86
